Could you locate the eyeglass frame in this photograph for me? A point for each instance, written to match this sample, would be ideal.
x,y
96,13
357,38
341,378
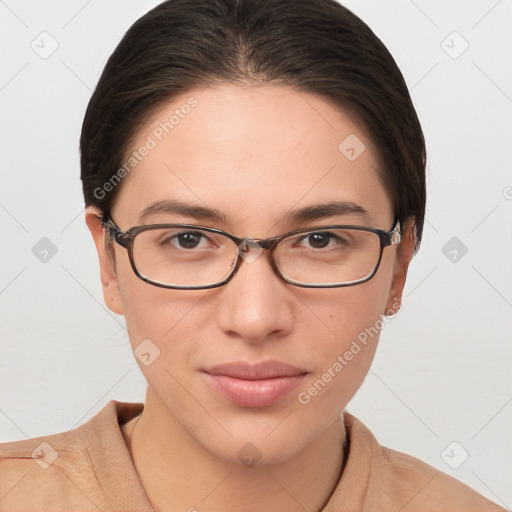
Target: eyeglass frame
x,y
126,239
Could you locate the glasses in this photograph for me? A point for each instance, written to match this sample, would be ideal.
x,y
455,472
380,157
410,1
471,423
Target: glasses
x,y
190,257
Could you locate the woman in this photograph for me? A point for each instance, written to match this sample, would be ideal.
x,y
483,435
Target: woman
x,y
254,176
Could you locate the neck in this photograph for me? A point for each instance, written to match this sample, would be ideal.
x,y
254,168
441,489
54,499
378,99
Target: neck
x,y
178,474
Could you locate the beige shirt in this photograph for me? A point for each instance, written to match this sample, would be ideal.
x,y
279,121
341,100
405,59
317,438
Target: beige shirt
x,y
89,469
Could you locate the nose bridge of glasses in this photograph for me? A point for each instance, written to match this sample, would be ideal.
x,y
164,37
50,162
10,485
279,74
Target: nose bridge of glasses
x,y
249,249
248,245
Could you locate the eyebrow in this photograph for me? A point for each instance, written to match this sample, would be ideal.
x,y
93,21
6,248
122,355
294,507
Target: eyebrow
x,y
182,208
330,209
307,213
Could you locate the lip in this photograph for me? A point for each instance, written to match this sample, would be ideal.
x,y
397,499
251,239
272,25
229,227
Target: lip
x,y
254,385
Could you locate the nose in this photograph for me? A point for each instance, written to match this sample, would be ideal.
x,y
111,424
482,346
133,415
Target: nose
x,y
256,305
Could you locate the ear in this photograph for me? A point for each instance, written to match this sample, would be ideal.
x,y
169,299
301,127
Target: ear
x,y
109,281
404,255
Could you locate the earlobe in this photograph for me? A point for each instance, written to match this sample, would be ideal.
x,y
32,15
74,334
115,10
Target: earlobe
x,y
402,261
109,280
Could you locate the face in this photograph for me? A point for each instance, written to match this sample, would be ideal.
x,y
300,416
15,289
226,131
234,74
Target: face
x,y
254,155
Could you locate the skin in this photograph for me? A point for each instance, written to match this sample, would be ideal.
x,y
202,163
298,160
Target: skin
x,y
254,153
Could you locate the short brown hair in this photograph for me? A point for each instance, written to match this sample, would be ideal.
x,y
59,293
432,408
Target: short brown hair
x,y
315,46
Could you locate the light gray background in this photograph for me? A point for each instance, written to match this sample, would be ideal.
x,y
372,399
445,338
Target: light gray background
x,y
441,373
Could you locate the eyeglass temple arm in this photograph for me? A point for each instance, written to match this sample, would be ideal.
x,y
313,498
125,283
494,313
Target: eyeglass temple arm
x,y
394,237
120,237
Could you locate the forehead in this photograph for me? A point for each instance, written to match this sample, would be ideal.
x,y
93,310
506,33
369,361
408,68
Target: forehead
x,y
251,152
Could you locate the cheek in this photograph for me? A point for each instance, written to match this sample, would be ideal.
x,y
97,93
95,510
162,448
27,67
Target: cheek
x,y
346,330
166,317
150,311
343,357
343,313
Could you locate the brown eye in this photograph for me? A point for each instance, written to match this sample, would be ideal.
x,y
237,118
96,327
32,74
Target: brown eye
x,y
188,240
323,239
319,240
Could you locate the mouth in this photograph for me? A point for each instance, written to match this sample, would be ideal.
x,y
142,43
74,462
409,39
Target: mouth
x,y
254,385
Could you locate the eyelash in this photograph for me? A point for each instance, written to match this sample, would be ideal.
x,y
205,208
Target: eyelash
x,y
202,236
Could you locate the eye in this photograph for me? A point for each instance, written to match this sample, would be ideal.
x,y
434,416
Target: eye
x,y
186,240
319,240
322,239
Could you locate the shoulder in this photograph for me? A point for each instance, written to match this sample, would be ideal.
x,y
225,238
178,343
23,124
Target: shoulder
x,y
428,488
36,471
64,471
400,480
